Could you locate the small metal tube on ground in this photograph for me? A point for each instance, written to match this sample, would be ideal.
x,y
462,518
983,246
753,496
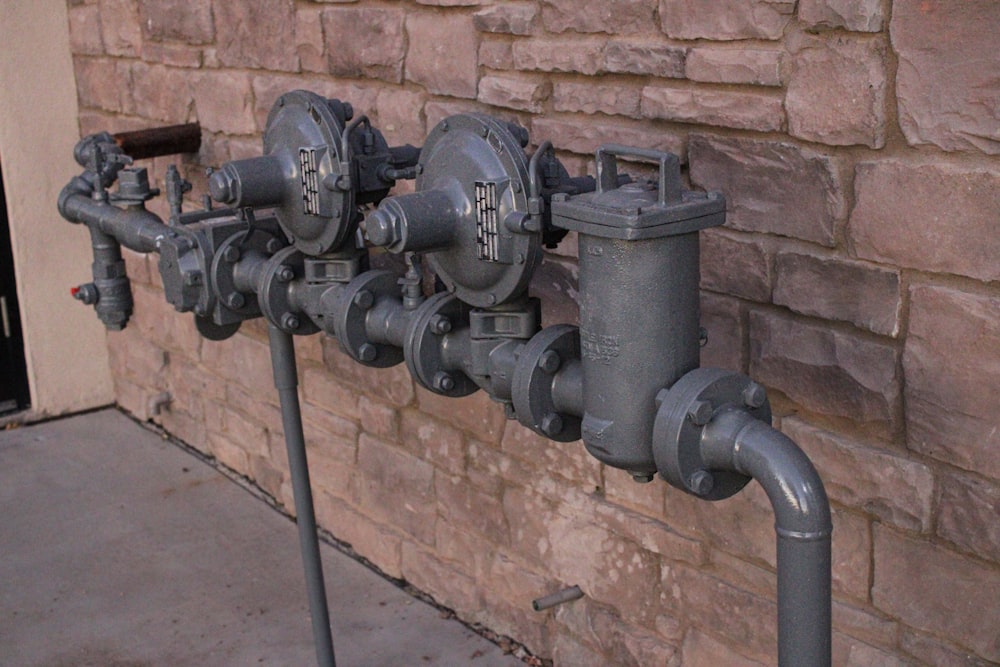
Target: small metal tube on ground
x,y
558,598
286,382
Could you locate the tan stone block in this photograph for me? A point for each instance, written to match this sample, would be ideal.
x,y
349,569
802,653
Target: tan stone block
x,y
864,623
743,618
495,54
736,265
468,509
397,488
175,55
477,413
397,114
513,18
585,135
310,45
736,109
969,509
445,582
120,30
103,83
760,67
894,488
85,30
433,441
365,42
725,19
857,15
568,651
650,534
828,287
391,384
827,371
722,319
613,16
161,93
952,385
621,489
933,651
837,90
579,55
224,101
568,460
946,82
701,650
228,453
177,20
442,53
256,34
377,418
649,58
934,589
593,98
511,92
601,627
851,651
932,217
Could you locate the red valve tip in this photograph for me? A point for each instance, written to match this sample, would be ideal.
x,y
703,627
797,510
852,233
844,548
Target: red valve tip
x,y
73,291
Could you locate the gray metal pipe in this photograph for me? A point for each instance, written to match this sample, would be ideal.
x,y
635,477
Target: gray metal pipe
x,y
735,440
286,382
133,227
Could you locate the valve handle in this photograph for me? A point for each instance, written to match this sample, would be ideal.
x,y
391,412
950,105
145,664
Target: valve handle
x,y
670,169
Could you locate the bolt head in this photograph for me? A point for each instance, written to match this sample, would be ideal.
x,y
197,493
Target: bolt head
x,y
290,321
236,300
754,395
549,361
284,273
700,413
643,477
443,381
552,424
364,299
701,482
440,324
231,254
367,352
274,245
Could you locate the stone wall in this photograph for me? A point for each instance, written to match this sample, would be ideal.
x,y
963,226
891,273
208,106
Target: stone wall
x,y
857,277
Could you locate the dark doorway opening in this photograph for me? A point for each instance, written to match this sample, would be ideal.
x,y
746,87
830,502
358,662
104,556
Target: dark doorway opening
x,y
14,394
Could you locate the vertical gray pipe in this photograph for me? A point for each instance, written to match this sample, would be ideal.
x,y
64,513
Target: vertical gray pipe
x,y
286,381
735,440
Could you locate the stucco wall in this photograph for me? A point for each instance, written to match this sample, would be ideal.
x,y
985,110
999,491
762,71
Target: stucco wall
x,y
65,348
857,277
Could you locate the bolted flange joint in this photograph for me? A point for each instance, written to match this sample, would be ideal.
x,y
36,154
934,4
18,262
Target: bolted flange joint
x,y
684,412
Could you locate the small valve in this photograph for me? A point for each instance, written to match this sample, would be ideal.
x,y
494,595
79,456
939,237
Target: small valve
x,y
86,293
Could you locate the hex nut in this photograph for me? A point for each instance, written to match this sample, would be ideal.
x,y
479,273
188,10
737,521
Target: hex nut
x,y
700,412
443,381
552,424
367,352
754,395
440,324
701,482
231,254
549,361
284,273
236,300
364,299
290,321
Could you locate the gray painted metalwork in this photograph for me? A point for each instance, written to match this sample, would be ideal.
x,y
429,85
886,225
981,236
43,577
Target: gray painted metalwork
x,y
626,380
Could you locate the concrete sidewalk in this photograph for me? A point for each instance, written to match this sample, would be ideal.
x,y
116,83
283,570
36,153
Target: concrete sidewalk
x,y
119,549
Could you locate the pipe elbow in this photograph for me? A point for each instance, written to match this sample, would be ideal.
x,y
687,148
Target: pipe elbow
x,y
739,442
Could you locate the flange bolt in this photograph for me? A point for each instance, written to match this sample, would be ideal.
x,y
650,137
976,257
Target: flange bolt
x,y
700,413
701,482
284,273
443,381
367,352
552,424
231,254
754,395
549,361
364,299
236,300
440,324
290,321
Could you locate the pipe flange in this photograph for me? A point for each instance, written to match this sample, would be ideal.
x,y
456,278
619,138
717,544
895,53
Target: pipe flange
x,y
275,296
531,389
353,303
427,337
683,412
215,332
227,255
